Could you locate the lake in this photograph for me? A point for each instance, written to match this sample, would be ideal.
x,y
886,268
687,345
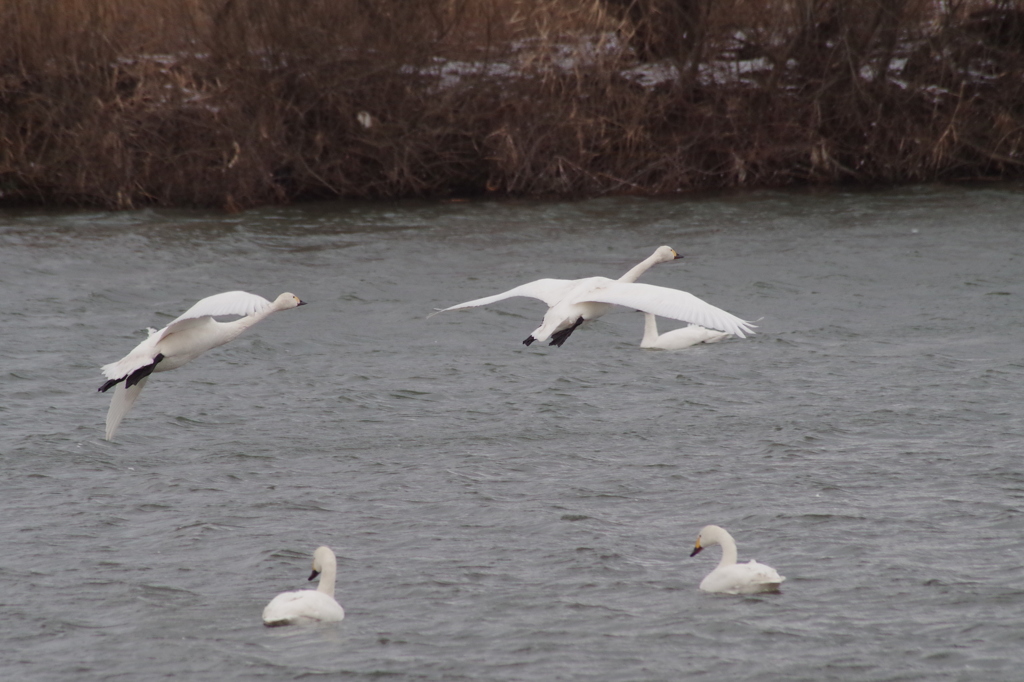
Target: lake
x,y
503,512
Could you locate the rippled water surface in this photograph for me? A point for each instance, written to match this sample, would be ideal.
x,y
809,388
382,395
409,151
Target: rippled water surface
x,y
511,513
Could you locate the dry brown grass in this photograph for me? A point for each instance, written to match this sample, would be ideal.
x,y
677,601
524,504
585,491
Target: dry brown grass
x,y
235,103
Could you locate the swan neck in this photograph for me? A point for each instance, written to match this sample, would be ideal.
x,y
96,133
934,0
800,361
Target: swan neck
x,y
650,330
327,574
238,326
728,551
639,269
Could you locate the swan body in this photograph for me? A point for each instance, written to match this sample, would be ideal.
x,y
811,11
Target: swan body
x,y
676,339
190,335
730,577
573,302
308,606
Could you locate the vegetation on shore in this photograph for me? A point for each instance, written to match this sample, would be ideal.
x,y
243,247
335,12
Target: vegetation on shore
x,y
235,103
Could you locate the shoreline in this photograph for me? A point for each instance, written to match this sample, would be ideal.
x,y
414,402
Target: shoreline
x,y
261,117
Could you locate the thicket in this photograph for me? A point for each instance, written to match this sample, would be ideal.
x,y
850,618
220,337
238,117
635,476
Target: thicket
x,y
235,103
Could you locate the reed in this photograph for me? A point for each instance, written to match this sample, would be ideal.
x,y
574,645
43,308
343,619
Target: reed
x,y
235,103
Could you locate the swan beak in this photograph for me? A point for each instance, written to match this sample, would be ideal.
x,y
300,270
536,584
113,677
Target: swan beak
x,y
301,302
696,550
314,574
678,256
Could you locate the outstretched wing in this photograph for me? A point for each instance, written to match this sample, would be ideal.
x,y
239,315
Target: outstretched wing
x,y
666,302
240,303
229,303
551,291
121,403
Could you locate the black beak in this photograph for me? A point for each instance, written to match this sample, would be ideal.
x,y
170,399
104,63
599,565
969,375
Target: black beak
x,y
301,302
696,551
314,574
678,256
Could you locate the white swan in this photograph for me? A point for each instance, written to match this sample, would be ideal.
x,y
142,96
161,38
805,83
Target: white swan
x,y
573,302
190,335
730,577
684,337
663,254
306,606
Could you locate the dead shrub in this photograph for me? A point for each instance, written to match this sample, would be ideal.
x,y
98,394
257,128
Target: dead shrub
x,y
240,102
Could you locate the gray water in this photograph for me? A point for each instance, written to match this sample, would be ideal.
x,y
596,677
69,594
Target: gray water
x,y
510,513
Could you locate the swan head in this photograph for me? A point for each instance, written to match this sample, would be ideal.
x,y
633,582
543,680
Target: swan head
x,y
709,536
323,558
287,300
664,254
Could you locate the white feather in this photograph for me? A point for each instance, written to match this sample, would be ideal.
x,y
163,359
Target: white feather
x,y
571,302
121,403
305,606
663,301
730,577
187,337
677,339
551,291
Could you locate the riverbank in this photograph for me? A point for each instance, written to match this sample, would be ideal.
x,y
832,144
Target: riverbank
x,y
239,103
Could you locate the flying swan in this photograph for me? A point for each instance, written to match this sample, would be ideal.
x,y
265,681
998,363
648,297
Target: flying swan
x,y
308,606
684,337
183,340
730,577
573,302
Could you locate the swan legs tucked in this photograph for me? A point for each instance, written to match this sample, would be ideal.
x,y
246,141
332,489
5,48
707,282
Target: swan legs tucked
x,y
559,337
135,377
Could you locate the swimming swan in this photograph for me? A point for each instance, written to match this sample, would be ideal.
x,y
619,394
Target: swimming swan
x,y
573,302
193,333
730,577
307,606
676,339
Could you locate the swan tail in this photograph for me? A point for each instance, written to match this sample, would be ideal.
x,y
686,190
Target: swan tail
x,y
144,355
121,403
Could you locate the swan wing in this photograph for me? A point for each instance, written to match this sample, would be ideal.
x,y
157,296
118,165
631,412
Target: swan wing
x,y
324,608
749,578
695,334
551,291
292,607
282,609
121,403
666,302
762,574
240,303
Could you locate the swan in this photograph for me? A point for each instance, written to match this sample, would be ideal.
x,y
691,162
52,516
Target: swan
x,y
663,254
306,606
730,577
573,302
190,335
676,339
